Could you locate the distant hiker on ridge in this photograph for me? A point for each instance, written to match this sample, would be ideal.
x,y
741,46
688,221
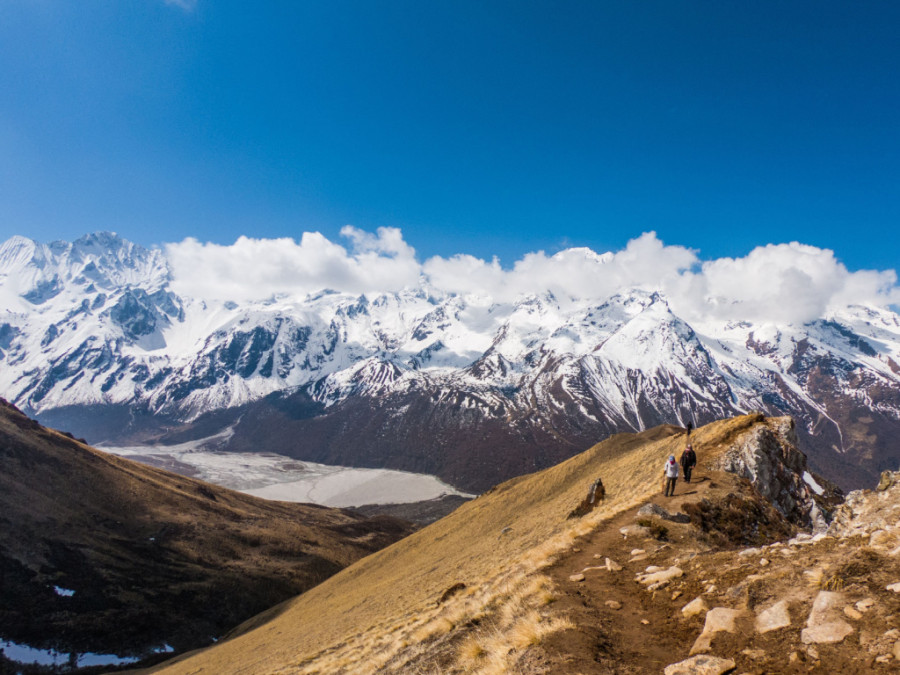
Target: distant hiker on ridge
x,y
670,471
688,462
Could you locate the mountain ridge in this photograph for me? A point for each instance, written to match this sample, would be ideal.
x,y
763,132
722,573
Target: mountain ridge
x,y
147,558
106,332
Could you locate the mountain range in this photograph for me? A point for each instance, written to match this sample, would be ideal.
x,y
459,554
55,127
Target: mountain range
x,y
95,339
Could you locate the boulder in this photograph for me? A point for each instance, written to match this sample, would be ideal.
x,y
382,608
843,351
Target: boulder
x,y
773,618
718,619
701,665
825,623
694,607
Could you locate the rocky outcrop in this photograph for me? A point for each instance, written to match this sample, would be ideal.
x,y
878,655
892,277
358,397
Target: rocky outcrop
x,y
769,458
872,513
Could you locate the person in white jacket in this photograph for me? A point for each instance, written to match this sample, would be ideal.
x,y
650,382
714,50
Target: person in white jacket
x,y
670,471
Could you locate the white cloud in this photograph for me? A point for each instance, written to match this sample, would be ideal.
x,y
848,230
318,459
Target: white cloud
x,y
254,269
792,282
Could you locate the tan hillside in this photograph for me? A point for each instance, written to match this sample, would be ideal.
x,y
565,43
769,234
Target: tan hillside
x,y
383,613
148,557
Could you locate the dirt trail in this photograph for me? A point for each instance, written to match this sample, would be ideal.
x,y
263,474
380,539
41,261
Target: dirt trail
x,y
645,631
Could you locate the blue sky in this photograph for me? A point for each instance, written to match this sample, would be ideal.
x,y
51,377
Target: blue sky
x,y
487,128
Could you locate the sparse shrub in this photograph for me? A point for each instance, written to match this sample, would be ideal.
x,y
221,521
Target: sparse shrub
x,y
832,583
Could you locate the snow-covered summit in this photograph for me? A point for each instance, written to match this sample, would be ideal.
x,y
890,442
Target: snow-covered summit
x,y
95,322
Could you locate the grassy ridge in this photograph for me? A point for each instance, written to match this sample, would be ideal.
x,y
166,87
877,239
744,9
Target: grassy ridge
x,y
371,615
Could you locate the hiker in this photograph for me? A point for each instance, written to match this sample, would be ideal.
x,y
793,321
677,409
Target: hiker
x,y
688,462
670,471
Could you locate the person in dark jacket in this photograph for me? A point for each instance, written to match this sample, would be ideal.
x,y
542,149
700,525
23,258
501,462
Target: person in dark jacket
x,y
688,462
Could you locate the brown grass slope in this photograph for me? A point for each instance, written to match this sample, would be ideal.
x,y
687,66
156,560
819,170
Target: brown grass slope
x,y
153,557
383,613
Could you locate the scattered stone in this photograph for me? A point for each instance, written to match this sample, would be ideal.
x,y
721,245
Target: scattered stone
x,y
701,665
884,658
865,605
824,625
576,550
594,567
659,577
747,552
812,652
754,653
795,657
787,552
633,531
613,604
650,510
852,613
773,618
638,558
576,577
894,587
892,634
718,619
896,651
694,607
676,595
710,589
645,622
637,551
598,555
612,565
763,562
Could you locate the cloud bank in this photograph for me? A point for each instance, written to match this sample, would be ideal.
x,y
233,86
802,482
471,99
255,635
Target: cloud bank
x,y
793,283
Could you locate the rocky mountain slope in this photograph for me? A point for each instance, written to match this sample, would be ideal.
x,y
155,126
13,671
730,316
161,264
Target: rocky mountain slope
x,y
512,582
102,555
93,339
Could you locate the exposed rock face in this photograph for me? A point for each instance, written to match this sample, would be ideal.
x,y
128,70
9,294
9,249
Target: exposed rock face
x,y
875,514
769,458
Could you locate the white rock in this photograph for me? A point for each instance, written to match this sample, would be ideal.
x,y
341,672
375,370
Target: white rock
x,y
637,551
824,624
763,562
852,613
612,565
576,577
660,577
718,619
865,605
894,587
748,552
773,618
694,607
896,651
653,569
701,665
613,604
833,631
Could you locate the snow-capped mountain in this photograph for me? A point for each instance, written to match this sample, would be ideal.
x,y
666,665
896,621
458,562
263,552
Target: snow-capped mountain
x,y
459,386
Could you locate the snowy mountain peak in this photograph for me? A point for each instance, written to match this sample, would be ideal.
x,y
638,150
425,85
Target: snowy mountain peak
x,y
95,322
